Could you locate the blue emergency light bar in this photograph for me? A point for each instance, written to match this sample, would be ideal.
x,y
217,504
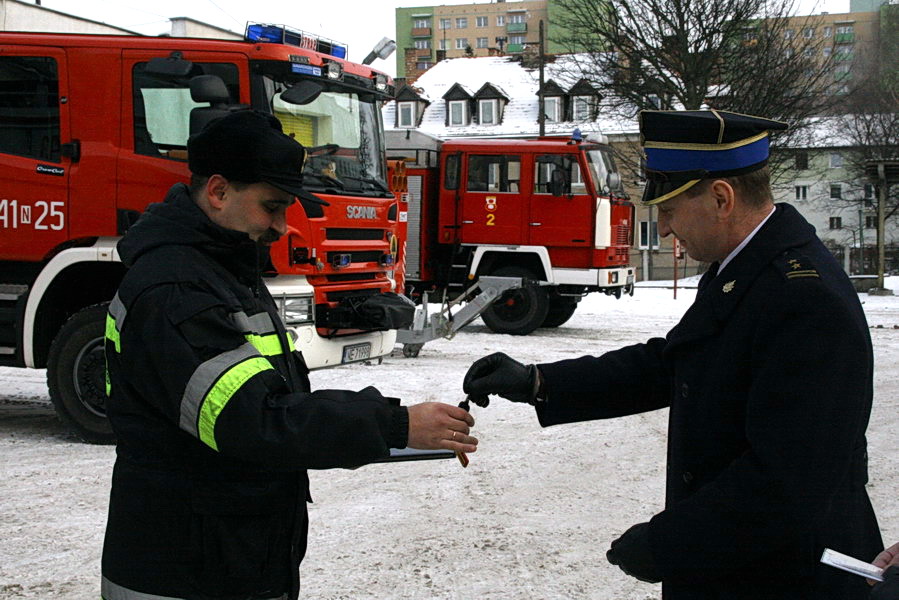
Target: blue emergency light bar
x,y
281,34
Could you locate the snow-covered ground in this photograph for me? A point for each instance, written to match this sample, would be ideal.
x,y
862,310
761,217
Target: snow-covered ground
x,y
531,517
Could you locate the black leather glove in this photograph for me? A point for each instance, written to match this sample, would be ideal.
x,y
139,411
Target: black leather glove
x,y
498,374
631,553
888,589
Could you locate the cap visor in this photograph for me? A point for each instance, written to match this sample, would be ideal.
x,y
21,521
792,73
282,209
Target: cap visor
x,y
659,191
293,187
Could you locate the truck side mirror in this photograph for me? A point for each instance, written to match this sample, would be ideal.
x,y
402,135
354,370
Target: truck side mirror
x,y
614,181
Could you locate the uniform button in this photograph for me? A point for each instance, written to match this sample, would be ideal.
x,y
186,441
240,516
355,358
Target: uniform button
x,y
684,390
688,476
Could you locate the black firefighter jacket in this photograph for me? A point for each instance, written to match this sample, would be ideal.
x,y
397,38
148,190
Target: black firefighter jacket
x,y
215,420
768,377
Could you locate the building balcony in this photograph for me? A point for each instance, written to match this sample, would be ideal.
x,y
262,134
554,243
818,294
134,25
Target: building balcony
x,y
843,56
842,76
423,53
421,32
844,38
514,48
517,28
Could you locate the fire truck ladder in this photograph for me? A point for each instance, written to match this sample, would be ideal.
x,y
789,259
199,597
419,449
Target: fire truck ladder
x,y
445,323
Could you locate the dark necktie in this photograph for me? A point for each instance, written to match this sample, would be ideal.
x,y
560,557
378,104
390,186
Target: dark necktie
x,y
707,279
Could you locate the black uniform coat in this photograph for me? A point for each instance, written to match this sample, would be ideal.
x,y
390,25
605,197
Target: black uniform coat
x,y
215,420
768,377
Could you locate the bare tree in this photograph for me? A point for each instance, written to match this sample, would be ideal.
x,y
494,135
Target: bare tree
x,y
740,55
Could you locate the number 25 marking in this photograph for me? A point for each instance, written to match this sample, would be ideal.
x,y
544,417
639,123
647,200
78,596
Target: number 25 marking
x,y
490,219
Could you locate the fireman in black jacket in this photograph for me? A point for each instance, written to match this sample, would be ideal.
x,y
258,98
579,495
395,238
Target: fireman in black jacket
x,y
768,378
209,401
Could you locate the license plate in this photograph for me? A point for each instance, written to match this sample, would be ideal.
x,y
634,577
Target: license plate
x,y
355,352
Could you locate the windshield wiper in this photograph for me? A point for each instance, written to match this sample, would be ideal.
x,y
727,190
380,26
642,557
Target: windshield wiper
x,y
325,180
375,183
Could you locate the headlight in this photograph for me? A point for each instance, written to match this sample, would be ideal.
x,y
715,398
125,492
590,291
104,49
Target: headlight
x,y
296,310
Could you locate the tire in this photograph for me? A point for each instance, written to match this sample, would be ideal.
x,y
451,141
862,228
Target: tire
x,y
560,310
519,311
76,375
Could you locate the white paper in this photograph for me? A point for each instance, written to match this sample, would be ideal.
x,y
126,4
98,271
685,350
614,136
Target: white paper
x,y
852,565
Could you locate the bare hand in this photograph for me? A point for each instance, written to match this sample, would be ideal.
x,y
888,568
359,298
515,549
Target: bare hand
x,y
438,426
887,558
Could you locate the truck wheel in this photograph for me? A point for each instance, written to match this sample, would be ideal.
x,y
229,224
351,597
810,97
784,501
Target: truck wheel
x,y
518,311
76,375
560,310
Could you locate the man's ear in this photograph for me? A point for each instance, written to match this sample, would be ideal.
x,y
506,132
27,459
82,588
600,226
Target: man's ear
x,y
215,191
725,199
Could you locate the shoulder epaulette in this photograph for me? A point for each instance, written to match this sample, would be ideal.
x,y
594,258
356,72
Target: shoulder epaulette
x,y
794,265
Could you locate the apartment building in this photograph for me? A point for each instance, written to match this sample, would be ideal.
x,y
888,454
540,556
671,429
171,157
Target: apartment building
x,y
427,34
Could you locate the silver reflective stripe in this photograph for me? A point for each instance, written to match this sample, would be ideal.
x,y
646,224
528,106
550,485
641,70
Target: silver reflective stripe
x,y
114,591
202,380
260,324
118,312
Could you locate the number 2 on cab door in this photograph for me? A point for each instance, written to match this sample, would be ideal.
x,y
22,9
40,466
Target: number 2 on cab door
x,y
490,219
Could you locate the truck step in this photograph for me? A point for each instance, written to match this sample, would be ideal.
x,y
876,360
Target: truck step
x,y
10,292
7,350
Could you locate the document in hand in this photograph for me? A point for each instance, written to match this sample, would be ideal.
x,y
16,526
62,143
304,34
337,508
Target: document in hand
x,y
852,565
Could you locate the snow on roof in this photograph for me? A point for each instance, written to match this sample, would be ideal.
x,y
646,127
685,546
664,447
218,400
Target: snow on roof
x,y
518,83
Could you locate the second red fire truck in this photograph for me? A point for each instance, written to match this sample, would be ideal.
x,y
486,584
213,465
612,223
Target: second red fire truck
x,y
550,211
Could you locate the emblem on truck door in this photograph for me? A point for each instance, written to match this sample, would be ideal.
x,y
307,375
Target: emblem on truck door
x,y
361,212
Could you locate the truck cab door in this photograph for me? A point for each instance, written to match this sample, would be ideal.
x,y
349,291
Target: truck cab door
x,y
156,112
491,210
35,138
561,210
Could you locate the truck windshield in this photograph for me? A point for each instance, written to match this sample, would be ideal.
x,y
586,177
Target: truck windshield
x,y
341,130
601,164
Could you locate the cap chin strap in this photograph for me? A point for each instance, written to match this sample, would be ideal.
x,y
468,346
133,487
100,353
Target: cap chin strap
x,y
672,193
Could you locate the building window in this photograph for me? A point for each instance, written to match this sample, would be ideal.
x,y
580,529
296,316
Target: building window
x,y
461,43
808,33
789,51
494,173
423,66
789,34
836,191
421,23
551,108
869,191
649,235
500,20
487,112
827,51
482,42
828,31
480,21
446,23
836,160
870,222
30,108
845,29
516,18
653,102
443,44
801,161
801,192
581,108
836,222
458,112
808,53
516,39
422,44
461,22
406,114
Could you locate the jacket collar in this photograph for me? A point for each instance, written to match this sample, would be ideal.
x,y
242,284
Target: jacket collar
x,y
785,229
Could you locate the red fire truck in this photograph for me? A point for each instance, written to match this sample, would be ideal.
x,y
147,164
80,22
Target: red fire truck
x,y
550,212
94,128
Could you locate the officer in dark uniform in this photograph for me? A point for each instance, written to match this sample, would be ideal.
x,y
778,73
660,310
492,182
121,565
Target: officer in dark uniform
x,y
768,377
210,402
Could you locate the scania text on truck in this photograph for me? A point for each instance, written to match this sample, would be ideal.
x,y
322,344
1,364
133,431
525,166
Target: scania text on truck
x,y
551,211
95,128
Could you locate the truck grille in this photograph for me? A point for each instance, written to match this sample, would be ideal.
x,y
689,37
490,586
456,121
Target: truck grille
x,y
622,236
341,233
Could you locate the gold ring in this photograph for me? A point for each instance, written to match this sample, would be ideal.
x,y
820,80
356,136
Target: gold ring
x,y
454,435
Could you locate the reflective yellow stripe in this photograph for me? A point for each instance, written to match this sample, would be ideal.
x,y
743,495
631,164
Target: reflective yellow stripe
x,y
269,345
112,334
217,398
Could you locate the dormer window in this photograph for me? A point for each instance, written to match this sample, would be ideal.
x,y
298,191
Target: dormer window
x,y
552,108
487,112
406,114
458,112
582,108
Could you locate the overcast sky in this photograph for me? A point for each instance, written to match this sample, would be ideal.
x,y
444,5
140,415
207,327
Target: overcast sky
x,y
358,23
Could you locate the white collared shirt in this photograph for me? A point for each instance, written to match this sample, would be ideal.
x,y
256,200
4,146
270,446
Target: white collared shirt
x,y
742,245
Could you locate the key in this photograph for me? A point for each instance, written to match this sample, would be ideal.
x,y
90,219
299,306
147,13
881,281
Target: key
x,y
463,458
